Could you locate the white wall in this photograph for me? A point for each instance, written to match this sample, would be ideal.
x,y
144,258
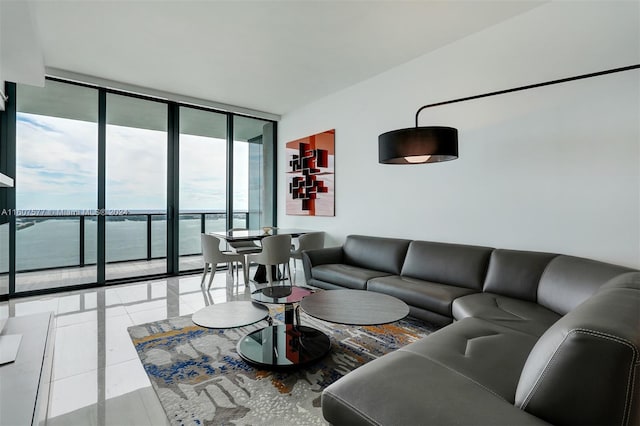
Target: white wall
x,y
552,169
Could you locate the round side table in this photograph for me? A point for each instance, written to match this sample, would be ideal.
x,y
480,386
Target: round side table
x,y
230,314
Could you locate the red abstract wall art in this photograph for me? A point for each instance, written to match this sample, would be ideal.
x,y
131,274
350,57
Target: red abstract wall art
x,y
310,175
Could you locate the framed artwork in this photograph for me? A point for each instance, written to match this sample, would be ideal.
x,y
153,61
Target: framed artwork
x,y
310,175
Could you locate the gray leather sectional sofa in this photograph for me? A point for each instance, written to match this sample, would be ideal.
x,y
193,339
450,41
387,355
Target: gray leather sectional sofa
x,y
536,337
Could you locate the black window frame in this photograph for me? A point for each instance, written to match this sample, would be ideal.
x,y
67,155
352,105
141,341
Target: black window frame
x,y
8,166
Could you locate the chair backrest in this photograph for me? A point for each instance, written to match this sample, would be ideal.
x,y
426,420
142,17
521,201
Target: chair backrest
x,y
311,241
210,248
275,250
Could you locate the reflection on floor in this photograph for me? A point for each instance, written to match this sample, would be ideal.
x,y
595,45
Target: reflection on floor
x,y
74,275
97,376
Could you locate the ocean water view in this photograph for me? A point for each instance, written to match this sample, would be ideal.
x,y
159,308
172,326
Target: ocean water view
x,y
53,241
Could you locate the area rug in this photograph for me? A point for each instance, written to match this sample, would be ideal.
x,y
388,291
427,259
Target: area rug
x,y
201,380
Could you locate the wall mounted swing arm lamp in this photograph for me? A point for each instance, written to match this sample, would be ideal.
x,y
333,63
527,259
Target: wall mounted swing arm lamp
x,y
434,144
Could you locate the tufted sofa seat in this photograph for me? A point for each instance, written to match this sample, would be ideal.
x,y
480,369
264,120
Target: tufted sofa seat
x,y
531,337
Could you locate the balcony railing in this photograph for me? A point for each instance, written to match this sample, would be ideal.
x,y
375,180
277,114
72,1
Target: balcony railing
x,y
59,239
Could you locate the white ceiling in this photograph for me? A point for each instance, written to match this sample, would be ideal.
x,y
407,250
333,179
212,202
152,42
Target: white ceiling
x,y
271,56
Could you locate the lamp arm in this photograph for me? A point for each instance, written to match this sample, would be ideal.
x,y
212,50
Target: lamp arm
x,y
530,86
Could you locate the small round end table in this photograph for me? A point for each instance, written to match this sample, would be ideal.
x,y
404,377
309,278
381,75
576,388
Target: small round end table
x,y
230,314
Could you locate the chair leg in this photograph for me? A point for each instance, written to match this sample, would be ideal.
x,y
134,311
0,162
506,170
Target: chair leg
x,y
269,275
236,279
245,271
213,273
204,274
288,266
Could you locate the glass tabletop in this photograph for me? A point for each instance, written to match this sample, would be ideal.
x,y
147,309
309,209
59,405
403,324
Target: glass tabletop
x,y
281,294
258,234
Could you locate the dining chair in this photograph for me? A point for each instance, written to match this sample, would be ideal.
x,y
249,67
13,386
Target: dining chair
x,y
310,241
212,255
275,252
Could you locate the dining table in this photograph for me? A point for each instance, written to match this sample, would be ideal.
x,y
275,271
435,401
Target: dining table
x,y
256,235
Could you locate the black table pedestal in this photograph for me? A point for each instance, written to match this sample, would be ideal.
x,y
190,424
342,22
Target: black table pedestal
x,y
261,274
288,345
284,346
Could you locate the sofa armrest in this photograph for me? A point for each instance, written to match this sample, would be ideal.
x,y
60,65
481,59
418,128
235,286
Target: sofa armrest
x,y
311,258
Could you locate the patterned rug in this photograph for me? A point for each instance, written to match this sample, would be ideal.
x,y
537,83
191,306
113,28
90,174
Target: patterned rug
x,y
201,380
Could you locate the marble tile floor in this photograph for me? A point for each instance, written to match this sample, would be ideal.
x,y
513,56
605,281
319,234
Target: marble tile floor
x,y
97,376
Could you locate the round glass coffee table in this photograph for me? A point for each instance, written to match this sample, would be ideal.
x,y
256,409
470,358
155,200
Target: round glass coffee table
x,y
287,345
354,307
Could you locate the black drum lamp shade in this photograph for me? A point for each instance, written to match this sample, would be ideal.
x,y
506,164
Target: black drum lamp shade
x,y
418,145
434,144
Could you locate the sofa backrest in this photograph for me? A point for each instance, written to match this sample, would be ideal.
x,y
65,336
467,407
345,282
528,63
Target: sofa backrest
x,y
380,254
453,264
516,273
583,369
568,281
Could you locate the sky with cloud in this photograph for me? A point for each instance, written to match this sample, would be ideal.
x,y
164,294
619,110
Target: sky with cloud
x,y
57,167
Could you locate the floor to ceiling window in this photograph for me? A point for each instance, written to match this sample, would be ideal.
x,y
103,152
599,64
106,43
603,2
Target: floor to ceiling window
x,y
4,258
253,160
4,217
136,190
76,144
203,180
56,182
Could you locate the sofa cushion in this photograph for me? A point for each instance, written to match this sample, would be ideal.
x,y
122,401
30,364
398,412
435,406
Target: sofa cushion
x,y
516,273
434,297
379,254
518,314
345,275
488,353
584,369
323,284
464,374
568,281
431,317
454,264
